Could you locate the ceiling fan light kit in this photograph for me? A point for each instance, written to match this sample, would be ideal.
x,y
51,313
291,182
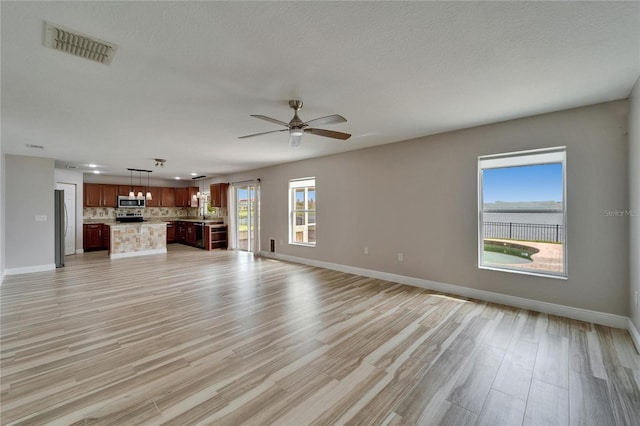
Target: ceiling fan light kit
x,y
297,127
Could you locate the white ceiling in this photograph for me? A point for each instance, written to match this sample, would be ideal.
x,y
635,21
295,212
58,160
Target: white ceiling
x,y
188,74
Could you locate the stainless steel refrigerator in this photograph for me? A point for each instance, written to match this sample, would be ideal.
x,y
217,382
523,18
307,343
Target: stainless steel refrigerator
x,y
60,226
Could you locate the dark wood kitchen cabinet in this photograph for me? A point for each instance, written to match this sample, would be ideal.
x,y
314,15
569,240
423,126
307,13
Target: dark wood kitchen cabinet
x,y
96,236
106,237
185,197
100,195
192,200
191,233
109,195
218,194
216,237
168,197
171,232
156,194
92,237
181,197
181,232
92,195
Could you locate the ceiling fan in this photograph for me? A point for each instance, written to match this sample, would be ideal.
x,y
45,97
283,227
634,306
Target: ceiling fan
x,y
297,127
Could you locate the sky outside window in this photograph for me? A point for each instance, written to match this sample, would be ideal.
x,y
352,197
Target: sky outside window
x,y
539,182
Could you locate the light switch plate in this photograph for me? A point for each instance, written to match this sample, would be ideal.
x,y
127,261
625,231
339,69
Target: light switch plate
x,y
41,218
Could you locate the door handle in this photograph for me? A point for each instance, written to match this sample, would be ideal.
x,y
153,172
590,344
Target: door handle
x,y
66,220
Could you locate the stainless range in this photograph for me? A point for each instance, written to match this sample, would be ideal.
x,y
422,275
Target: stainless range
x,y
129,216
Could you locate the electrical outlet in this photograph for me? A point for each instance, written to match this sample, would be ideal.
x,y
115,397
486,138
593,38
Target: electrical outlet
x,y
41,218
366,250
400,257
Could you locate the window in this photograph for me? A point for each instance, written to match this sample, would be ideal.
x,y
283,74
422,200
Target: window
x,y
302,211
522,212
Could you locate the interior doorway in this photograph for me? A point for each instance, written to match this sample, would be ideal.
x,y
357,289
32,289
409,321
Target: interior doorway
x,y
69,217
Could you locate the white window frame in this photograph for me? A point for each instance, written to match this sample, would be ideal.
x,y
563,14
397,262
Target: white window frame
x,y
516,159
294,184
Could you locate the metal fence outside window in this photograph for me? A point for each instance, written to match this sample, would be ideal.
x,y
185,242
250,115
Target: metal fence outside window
x,y
524,231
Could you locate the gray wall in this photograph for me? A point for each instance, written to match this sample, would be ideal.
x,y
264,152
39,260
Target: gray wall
x,y
634,203
2,214
28,192
419,197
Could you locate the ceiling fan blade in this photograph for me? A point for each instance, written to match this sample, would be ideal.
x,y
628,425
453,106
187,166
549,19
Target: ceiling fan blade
x,y
272,120
294,141
328,133
329,119
263,133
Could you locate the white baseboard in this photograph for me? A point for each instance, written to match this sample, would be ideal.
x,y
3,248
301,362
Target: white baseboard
x,y
79,251
602,318
635,336
137,253
30,269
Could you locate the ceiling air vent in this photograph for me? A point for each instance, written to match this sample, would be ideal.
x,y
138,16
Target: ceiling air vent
x,y
75,43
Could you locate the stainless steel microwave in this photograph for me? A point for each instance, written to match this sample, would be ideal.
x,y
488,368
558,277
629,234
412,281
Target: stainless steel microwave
x,y
124,202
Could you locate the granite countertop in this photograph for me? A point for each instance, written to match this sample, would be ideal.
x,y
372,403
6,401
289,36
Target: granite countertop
x,y
145,223
154,221
98,221
191,219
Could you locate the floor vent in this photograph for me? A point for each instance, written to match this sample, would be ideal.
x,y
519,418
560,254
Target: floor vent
x,y
75,43
272,245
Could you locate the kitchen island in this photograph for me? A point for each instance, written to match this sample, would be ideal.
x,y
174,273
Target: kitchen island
x,y
137,239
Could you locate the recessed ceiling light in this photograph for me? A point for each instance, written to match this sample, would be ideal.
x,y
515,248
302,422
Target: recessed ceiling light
x,y
194,174
93,166
96,172
177,177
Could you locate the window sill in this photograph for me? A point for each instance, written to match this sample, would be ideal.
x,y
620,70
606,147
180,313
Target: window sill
x,y
523,272
302,244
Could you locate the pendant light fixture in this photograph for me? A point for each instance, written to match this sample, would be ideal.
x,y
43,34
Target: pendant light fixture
x,y
132,196
200,194
140,196
148,197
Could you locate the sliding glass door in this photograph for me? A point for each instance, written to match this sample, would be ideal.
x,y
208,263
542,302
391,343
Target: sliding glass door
x,y
245,196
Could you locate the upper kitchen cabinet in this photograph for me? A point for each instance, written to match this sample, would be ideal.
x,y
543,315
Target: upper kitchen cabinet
x,y
100,195
110,195
156,196
192,196
186,197
219,194
125,189
168,197
181,197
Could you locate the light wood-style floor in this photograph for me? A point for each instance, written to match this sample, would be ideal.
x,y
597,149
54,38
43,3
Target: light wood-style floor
x,y
222,338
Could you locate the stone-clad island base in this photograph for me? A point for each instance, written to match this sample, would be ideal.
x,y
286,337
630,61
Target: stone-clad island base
x,y
138,239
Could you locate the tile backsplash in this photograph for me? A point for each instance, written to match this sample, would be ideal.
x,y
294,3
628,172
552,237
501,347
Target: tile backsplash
x,y
109,213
